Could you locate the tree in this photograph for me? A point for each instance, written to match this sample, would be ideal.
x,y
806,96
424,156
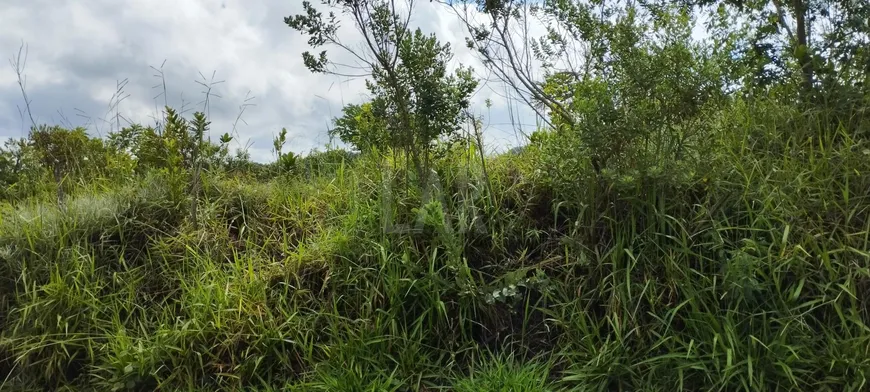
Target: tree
x,y
14,158
361,128
70,156
815,47
411,88
435,98
646,93
628,80
506,46
181,152
823,39
180,141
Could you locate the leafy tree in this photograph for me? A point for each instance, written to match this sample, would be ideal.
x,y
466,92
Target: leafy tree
x,y
158,148
437,99
71,155
411,88
178,140
822,42
360,127
179,150
325,162
13,162
648,92
632,71
627,79
240,164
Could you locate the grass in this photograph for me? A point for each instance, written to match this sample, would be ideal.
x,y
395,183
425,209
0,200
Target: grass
x,y
744,267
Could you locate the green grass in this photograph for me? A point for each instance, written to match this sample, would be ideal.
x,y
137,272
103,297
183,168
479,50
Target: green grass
x,y
744,267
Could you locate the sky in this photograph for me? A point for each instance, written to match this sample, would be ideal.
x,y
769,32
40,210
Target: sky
x,y
78,52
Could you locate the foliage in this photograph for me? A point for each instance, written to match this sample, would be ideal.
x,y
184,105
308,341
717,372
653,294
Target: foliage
x,y
675,224
820,43
413,94
69,157
361,128
647,91
178,143
286,162
430,101
326,163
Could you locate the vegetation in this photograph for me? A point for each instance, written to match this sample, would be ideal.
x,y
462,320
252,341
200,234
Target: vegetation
x,y
693,216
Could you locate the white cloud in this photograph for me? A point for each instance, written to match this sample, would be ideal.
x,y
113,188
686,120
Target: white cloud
x,y
79,50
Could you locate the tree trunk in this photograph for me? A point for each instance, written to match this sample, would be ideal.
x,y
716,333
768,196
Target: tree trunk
x,y
803,50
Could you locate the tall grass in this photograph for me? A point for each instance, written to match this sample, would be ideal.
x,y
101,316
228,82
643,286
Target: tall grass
x,y
746,270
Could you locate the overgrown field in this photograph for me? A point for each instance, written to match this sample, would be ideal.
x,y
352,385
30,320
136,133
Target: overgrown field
x,y
744,269
688,214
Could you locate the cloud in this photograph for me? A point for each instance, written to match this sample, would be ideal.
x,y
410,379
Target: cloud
x,y
79,51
